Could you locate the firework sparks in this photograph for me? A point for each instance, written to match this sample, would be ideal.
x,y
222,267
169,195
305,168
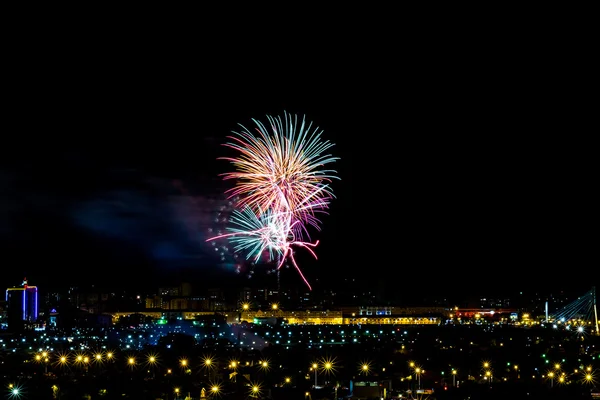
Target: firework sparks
x,y
257,234
269,233
280,187
281,170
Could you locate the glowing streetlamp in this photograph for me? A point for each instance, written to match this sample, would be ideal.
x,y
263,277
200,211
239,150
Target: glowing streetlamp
x,y
315,367
364,368
454,378
245,307
264,365
151,362
551,376
62,360
98,358
86,362
418,372
208,363
184,364
255,390
488,371
327,367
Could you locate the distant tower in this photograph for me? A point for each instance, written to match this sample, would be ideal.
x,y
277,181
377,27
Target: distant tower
x,y
22,305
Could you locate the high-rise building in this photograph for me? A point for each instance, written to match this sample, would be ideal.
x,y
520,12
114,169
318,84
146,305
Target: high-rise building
x,y
21,305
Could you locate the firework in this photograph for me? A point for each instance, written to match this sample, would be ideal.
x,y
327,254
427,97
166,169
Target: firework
x,y
256,234
281,168
269,233
281,186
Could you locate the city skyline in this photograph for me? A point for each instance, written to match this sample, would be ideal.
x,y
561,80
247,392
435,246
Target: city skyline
x,y
483,178
454,259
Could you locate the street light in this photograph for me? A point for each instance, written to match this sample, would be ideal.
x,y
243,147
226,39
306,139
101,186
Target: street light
x,y
245,307
264,365
487,366
454,378
364,368
327,367
46,359
255,390
551,376
62,360
315,366
209,364
184,364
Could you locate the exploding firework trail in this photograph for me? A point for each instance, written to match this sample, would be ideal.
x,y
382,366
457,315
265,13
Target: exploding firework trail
x,y
281,188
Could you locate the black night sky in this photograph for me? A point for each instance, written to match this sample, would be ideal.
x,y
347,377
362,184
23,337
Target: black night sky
x,y
460,167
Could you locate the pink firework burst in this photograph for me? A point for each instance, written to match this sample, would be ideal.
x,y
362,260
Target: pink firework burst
x,y
281,184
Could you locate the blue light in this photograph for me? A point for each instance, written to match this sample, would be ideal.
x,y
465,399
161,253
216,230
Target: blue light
x,y
35,305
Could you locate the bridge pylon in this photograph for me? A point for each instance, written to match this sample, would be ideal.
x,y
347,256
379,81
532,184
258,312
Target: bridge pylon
x,y
595,309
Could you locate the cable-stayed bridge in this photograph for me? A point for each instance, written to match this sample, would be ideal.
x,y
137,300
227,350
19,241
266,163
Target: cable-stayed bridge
x,y
582,311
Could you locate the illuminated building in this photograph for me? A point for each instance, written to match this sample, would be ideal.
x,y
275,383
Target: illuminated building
x,y
21,305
